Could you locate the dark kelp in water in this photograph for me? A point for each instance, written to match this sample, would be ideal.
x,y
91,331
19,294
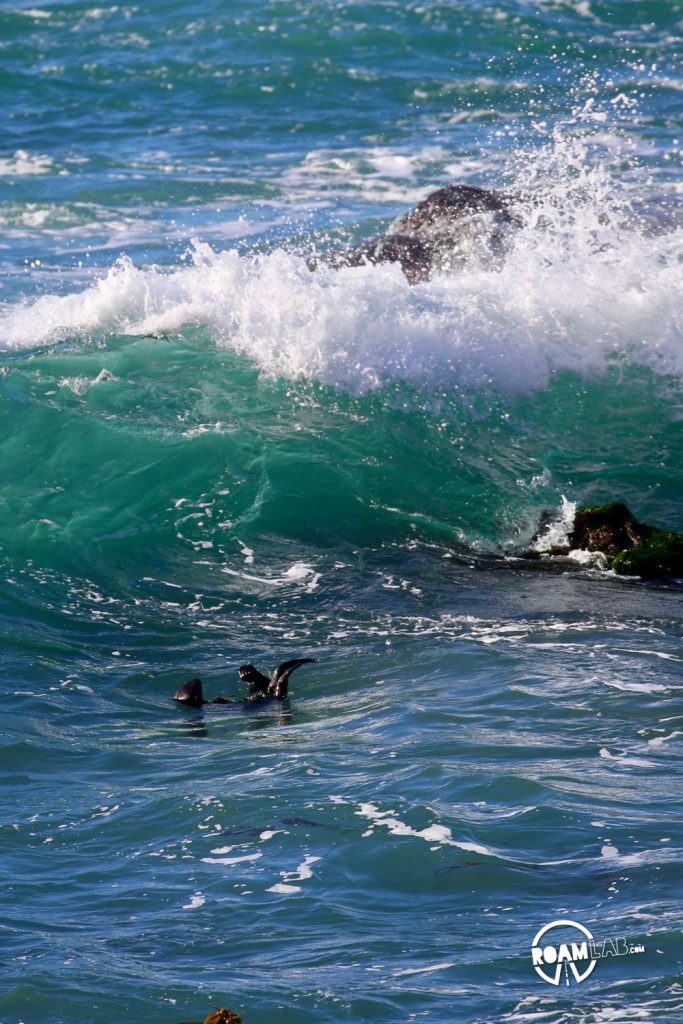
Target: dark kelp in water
x,y
219,1016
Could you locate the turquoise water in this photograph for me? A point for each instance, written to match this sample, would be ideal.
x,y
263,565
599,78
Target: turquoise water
x,y
212,455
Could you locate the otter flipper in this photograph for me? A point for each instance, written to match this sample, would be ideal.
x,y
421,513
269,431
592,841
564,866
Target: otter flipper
x,y
191,694
280,677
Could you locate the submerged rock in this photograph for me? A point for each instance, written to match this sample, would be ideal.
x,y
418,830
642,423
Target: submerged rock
x,y
454,228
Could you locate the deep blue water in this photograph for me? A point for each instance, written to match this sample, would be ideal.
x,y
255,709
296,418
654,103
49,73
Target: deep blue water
x,y
211,454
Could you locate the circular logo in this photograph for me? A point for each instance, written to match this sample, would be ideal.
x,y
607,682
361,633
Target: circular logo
x,y
558,950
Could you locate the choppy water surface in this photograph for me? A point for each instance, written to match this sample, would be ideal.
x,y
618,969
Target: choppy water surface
x,y
212,454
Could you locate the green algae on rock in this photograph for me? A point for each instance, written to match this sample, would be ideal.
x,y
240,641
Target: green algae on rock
x,y
661,556
636,549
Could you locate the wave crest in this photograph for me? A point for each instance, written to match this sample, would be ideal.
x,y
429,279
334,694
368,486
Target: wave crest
x,y
584,282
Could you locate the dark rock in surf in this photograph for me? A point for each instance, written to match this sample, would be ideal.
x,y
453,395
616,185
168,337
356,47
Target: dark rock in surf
x,y
661,557
455,227
610,528
444,213
637,549
414,255
631,547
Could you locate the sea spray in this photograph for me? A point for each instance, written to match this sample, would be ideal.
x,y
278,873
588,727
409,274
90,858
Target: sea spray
x,y
579,288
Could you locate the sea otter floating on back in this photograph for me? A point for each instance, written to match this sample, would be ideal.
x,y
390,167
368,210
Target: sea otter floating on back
x,y
260,686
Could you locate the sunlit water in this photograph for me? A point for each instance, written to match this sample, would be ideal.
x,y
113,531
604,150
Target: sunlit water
x,y
212,454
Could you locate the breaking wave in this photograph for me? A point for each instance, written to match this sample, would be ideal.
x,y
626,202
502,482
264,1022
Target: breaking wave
x,y
593,275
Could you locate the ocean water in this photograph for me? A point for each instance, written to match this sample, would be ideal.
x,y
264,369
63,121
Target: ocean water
x,y
212,454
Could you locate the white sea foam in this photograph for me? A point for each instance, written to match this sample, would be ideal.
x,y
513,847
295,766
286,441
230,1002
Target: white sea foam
x,y
659,741
385,173
197,900
232,860
556,533
620,684
299,573
440,835
23,163
660,855
299,874
98,226
363,327
591,559
635,762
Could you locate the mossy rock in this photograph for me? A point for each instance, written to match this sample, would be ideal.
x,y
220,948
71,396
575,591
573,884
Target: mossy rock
x,y
633,548
661,556
610,528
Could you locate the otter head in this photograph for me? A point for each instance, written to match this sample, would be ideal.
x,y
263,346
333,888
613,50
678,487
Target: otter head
x,y
191,694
